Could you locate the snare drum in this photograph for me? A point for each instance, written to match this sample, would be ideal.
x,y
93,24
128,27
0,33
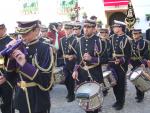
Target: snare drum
x,y
109,79
59,76
89,96
140,79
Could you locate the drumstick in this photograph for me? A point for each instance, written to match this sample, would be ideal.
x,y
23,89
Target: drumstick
x,y
112,61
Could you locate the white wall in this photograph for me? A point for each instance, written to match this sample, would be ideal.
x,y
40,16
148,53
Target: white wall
x,y
93,7
141,8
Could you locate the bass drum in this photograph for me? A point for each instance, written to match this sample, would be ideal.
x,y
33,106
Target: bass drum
x,y
89,95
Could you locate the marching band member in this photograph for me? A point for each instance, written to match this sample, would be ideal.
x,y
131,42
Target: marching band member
x,y
78,31
6,86
90,56
104,36
120,56
139,56
33,63
55,35
67,51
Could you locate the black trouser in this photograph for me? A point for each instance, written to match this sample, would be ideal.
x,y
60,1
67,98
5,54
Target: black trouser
x,y
139,93
69,82
47,111
96,111
119,89
6,94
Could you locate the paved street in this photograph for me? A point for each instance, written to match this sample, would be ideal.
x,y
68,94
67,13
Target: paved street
x,y
59,104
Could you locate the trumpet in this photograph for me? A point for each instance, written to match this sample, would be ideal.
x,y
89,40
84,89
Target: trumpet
x,y
8,50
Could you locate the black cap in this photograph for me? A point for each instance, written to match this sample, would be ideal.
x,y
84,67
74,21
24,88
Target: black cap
x,y
44,28
77,25
27,26
119,24
2,26
68,26
93,17
91,23
104,30
134,31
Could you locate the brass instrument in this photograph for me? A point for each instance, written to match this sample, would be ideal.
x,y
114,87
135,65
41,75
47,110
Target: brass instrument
x,y
8,50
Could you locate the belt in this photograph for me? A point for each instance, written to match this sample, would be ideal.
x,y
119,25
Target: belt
x,y
23,84
136,58
90,67
118,55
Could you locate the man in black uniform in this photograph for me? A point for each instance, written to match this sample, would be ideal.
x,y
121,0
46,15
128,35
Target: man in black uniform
x,y
148,33
6,87
90,56
78,30
67,51
33,63
139,56
120,56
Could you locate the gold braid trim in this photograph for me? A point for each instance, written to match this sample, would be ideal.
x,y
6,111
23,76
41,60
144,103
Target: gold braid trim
x,y
62,50
39,67
52,74
31,78
9,70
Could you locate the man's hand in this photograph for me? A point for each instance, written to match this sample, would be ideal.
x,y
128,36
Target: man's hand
x,y
75,75
117,61
2,79
87,57
148,63
70,57
19,57
142,65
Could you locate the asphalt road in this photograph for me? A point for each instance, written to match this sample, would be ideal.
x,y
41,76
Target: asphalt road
x,y
60,105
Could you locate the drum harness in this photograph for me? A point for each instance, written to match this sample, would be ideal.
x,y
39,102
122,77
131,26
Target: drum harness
x,y
86,68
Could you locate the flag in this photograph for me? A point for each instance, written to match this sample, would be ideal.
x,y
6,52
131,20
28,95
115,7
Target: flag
x,y
130,19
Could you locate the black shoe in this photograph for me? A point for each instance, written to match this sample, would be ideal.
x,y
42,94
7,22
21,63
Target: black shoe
x,y
67,96
71,98
119,107
105,92
115,104
136,97
139,100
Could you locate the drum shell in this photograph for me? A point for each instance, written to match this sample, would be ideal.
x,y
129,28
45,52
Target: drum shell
x,y
59,76
94,101
141,81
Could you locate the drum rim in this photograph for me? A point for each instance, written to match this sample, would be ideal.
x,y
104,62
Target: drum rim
x,y
93,109
89,82
136,77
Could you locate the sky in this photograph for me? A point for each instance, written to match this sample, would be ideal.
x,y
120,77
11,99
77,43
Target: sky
x,y
11,11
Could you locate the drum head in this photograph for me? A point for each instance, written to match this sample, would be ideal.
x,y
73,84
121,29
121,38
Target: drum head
x,y
135,74
58,69
106,73
90,87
